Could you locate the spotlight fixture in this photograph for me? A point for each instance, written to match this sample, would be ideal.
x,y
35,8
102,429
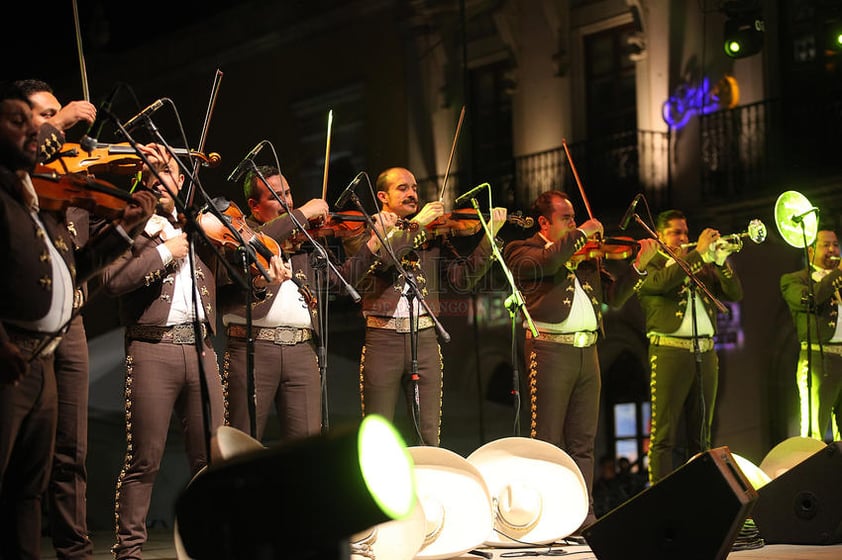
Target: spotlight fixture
x,y
299,500
743,34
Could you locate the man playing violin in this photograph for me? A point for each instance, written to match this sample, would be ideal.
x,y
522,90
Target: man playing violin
x,y
385,362
564,297
156,289
825,268
285,325
37,305
66,493
677,312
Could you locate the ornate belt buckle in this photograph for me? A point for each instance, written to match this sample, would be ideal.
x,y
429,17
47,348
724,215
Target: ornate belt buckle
x,y
402,324
582,339
183,334
284,336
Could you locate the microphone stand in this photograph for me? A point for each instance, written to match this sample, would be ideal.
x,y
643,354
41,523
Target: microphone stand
x,y
411,294
697,354
514,304
809,302
192,228
320,261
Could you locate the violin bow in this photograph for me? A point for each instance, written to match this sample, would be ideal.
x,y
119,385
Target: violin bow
x,y
576,176
86,92
217,81
452,151
327,153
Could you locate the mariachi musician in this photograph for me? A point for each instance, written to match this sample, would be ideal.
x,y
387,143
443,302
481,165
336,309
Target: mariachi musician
x,y
386,356
681,324
285,322
564,289
156,287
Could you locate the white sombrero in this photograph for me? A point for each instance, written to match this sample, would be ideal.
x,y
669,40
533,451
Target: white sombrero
x,y
455,502
400,539
230,442
789,453
538,492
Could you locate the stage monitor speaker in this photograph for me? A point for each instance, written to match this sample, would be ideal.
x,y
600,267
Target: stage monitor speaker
x,y
694,513
804,504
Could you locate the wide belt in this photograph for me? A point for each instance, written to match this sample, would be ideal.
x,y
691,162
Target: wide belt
x,y
398,324
581,339
175,334
705,342
284,336
826,348
31,342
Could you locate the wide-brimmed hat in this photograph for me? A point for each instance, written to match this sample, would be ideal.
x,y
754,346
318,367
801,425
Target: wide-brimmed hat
x,y
789,453
400,539
539,495
455,502
230,442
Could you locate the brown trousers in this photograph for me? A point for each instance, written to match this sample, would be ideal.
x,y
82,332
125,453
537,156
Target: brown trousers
x,y
384,370
68,481
286,375
161,378
27,434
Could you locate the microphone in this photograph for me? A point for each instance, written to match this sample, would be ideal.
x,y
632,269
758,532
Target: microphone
x,y
89,140
143,115
241,167
624,223
349,190
470,194
800,217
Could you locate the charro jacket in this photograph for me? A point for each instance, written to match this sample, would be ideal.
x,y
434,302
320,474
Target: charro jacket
x,y
794,289
381,286
547,284
666,291
145,285
232,298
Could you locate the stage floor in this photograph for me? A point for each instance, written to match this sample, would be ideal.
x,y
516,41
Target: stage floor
x,y
160,547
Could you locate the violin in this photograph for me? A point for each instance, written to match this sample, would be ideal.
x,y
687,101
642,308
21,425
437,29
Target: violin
x,y
611,248
264,246
339,224
465,222
113,158
58,191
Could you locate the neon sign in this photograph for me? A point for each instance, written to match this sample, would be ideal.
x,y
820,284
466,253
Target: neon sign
x,y
701,99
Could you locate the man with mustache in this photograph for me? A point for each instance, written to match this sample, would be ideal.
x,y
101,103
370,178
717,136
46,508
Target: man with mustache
x,y
825,269
385,362
37,304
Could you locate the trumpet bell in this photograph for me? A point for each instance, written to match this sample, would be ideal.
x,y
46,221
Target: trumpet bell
x,y
756,231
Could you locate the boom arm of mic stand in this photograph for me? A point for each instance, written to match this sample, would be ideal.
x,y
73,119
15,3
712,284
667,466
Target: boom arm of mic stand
x,y
680,262
189,216
516,299
445,336
319,247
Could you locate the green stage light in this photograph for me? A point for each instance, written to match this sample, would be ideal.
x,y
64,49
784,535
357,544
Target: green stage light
x,y
733,48
299,500
743,35
386,466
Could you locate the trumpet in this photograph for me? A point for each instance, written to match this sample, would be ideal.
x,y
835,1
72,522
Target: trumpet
x,y
756,231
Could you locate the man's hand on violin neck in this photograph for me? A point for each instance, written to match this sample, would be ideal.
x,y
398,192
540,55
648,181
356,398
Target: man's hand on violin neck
x,y
592,227
278,272
430,212
648,249
498,218
137,211
316,208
